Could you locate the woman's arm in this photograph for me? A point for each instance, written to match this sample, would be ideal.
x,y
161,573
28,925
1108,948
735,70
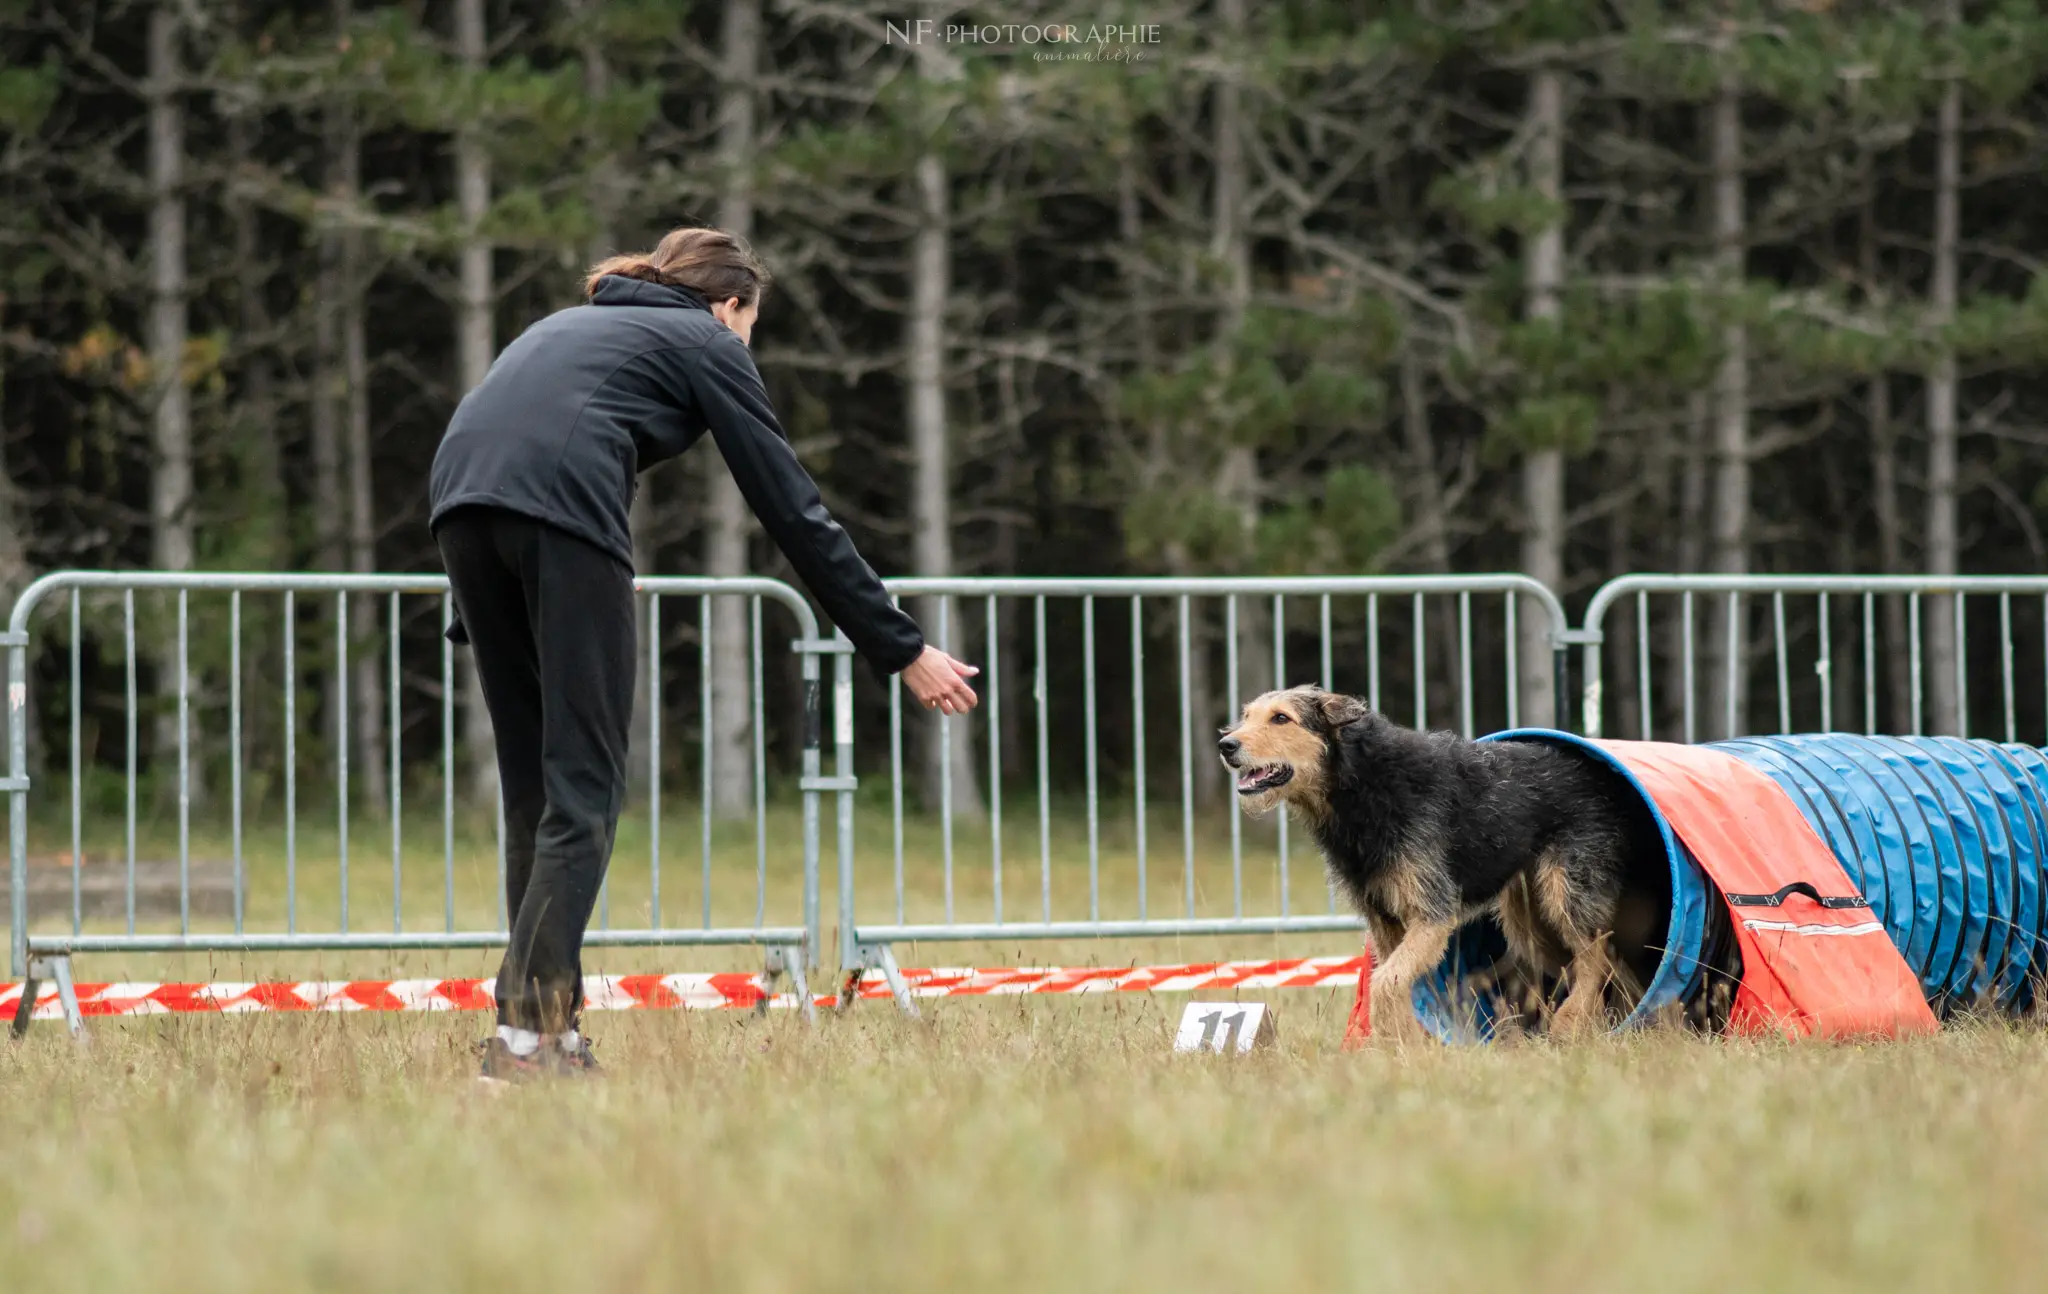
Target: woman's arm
x,y
730,395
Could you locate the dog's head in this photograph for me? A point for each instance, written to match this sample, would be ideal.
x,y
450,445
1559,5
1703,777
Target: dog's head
x,y
1279,749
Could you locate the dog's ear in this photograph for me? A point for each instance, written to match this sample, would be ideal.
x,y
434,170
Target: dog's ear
x,y
1336,710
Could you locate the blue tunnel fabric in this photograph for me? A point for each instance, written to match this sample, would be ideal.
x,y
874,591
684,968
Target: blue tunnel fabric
x,y
1871,845
1869,818
2001,819
1960,826
2029,770
1946,837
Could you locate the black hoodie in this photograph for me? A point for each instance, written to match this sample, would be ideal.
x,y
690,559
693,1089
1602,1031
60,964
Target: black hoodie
x,y
591,396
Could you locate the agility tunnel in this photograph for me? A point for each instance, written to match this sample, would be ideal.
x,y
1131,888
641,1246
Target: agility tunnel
x,y
1938,844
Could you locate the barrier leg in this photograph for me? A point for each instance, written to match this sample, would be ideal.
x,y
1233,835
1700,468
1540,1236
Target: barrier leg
x,y
771,971
897,985
31,985
801,984
51,968
781,962
883,958
67,993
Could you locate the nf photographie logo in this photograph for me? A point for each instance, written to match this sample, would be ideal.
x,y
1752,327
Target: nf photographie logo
x,y
1079,41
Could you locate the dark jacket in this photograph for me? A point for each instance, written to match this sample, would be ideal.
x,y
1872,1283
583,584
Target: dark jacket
x,y
591,396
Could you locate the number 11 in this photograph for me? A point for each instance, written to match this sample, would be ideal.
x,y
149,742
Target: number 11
x,y
1211,1021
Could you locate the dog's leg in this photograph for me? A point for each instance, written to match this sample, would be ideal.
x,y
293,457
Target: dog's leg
x,y
1580,922
1518,919
1530,937
1422,946
1385,934
1585,1007
1534,952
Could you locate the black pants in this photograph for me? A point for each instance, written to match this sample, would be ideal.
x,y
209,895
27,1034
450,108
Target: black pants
x,y
550,621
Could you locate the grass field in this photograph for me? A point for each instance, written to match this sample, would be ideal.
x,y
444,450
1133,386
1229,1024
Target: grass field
x,y
1029,1145
1048,1144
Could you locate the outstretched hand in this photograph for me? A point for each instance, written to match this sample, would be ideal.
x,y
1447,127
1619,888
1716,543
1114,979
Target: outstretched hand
x,y
940,683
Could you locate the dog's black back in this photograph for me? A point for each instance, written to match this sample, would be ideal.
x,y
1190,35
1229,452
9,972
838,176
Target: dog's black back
x,y
1475,815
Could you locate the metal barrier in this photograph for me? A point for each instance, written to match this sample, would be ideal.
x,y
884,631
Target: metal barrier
x,y
1352,618
42,953
1112,671
1857,639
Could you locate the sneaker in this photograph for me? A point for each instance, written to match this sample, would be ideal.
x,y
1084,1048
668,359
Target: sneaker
x,y
501,1064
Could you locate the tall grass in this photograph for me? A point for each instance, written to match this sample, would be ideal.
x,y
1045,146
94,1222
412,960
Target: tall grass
x,y
1001,1144
1017,1144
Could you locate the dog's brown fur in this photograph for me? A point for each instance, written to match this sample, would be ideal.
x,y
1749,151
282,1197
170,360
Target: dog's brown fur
x,y
1275,728
1427,830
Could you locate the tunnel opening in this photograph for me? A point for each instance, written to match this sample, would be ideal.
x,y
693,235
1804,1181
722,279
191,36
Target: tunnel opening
x,y
1674,953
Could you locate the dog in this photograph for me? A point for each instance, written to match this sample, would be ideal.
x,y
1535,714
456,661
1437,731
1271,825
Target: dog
x,y
1424,831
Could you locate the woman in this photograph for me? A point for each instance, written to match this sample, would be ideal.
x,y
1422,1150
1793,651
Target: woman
x,y
531,488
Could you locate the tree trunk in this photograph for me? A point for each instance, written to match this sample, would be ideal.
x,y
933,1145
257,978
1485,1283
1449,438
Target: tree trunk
x,y
475,346
1626,459
15,570
931,269
1844,693
730,523
14,566
330,379
1884,474
14,563
1138,289
1884,502
372,665
170,502
932,487
1240,481
171,484
605,191
1014,630
1662,462
261,479
263,461
1013,615
1727,672
1543,494
367,697
1943,713
1689,555
1433,520
1192,685
327,407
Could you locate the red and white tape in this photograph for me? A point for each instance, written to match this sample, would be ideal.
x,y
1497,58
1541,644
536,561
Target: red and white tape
x,y
676,992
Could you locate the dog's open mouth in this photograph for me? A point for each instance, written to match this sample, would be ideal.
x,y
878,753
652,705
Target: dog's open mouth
x,y
1265,777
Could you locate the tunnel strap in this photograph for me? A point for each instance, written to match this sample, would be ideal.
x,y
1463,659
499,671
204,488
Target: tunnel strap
x,y
1777,900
